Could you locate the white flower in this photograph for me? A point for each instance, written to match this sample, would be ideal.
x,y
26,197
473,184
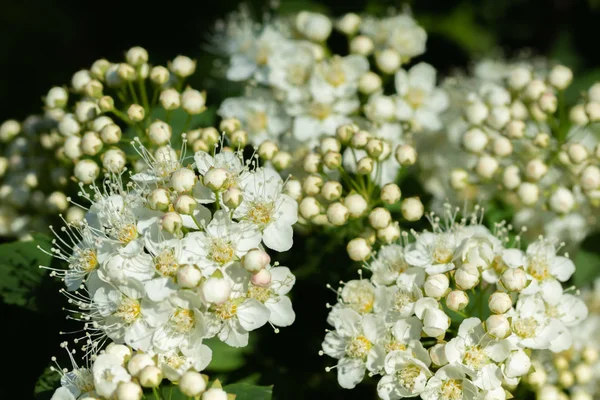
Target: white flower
x,y
108,372
175,363
355,342
233,320
529,325
318,117
450,383
388,264
435,321
230,161
267,208
273,296
419,101
435,252
337,78
407,373
290,71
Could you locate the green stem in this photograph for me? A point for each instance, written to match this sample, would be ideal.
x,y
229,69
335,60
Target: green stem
x,y
142,86
133,93
188,120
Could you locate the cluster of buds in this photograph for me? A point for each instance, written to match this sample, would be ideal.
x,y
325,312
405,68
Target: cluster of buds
x,y
82,129
348,180
179,254
454,313
519,145
122,373
572,374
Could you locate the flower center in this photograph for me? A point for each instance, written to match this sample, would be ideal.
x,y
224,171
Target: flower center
x,y
262,55
127,233
87,260
221,251
128,310
358,347
83,380
407,376
261,294
394,345
475,357
538,268
175,361
297,74
335,74
360,296
182,320
166,264
442,253
452,389
261,213
319,110
257,122
226,310
402,299
415,97
525,327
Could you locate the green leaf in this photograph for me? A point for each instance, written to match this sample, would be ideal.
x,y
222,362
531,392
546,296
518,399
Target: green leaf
x,y
587,267
20,274
226,358
47,382
294,6
245,391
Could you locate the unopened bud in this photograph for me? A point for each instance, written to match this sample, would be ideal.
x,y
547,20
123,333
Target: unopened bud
x,y
182,66
192,384
499,302
466,276
345,132
262,278
86,171
389,234
159,199
365,166
578,116
255,260
412,209
436,285
239,138
459,179
159,132
362,45
406,155
193,101
216,290
188,276
170,99
560,77
159,75
129,391
311,185
390,193
457,300
171,222
185,204
337,214
267,150
475,140
215,178
562,200
356,204
498,326
486,166
358,249
360,139
233,197
380,218
111,134
309,207
114,160
514,279
136,113
282,160
151,376
332,160
369,83
388,61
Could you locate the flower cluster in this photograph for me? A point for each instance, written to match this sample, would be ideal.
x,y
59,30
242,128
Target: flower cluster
x,y
453,314
515,142
177,255
79,133
572,374
120,373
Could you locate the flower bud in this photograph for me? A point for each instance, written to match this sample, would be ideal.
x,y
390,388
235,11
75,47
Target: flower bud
x,y
94,89
184,179
365,166
459,179
362,45
312,185
136,113
519,78
314,26
282,160
293,188
99,68
466,276
86,111
72,147
515,129
514,279
138,362
486,166
345,132
129,391
560,77
267,150
170,99
57,97
388,61
126,72
437,353
75,215
360,139
111,134
498,326
412,209
215,178
230,125
309,207
136,56
390,193
233,197
517,364
159,75
185,204
210,135
216,290
499,303
330,144
584,373
159,199
349,24
519,111
502,147
499,117
57,202
511,178
594,92
476,113
578,115
193,101
262,278
534,89
528,193
390,233
331,190
356,204
311,163
68,126
171,222
593,111
457,300
188,276
239,138
332,160
548,103
406,155
475,140
435,322
562,201
86,171
358,249
577,153
380,218
214,394
80,79
182,66
114,160
192,384
151,376
369,83
106,104
255,260
590,178
91,143
159,132
436,286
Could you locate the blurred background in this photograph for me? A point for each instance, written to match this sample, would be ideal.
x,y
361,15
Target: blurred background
x,y
43,43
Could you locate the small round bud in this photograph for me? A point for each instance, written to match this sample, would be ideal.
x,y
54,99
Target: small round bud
x,y
590,178
136,56
548,103
99,68
362,45
171,222
390,233
498,326
534,89
214,394
515,129
193,101
57,97
309,208
125,72
511,178
114,160
159,199
345,132
406,155
349,24
356,204
138,362
590,354
358,249
380,218
311,163
332,160
75,215
267,150
438,354
390,193
499,117
519,78
331,190
192,384
577,153
293,188
255,260
111,134
311,185
68,126
9,129
262,278
514,279
457,300
184,179
380,108
436,286
188,276
216,290
159,132
239,138
86,171
593,111
80,79
210,135
72,147
369,83
119,350
584,373
159,75
106,104
129,391
136,113
360,139
151,376
215,178
185,204
560,77
91,143
170,99
94,89
536,169
578,115
475,140
459,179
594,92
519,111
314,26
528,193
86,111
183,66
500,303
233,197
412,209
365,166
466,276
330,144
486,166
57,202
476,113
230,125
562,201
388,61
502,147
282,160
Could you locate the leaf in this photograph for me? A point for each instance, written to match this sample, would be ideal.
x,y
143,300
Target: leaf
x,y
587,267
47,382
20,275
246,391
226,358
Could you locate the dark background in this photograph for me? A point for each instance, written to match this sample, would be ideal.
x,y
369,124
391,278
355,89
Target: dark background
x,y
42,43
